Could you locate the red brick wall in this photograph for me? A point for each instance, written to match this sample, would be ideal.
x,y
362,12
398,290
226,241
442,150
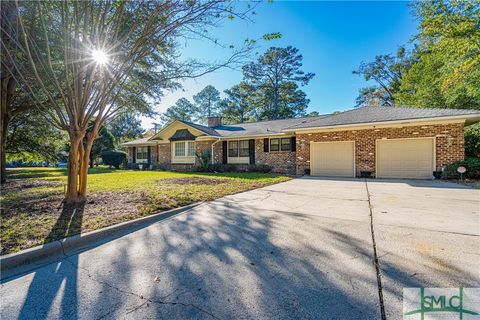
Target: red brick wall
x,y
280,161
449,143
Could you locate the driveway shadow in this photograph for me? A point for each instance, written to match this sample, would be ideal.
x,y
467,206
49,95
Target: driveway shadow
x,y
62,276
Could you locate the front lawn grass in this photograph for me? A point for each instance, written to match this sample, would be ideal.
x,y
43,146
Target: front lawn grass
x,y
31,201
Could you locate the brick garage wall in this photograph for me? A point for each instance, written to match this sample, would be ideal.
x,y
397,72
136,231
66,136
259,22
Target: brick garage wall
x,y
449,143
280,161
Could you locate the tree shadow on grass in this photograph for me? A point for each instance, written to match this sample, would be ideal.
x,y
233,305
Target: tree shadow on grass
x,y
68,223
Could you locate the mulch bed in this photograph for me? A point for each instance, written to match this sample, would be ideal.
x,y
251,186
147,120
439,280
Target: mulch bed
x,y
20,184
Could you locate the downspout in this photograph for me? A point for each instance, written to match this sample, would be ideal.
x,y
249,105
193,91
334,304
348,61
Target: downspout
x,y
212,153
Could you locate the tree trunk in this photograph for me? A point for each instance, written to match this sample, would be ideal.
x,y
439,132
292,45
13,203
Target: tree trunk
x,y
8,88
73,169
83,174
92,160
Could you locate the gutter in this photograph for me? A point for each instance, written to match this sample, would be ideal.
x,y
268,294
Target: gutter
x,y
475,117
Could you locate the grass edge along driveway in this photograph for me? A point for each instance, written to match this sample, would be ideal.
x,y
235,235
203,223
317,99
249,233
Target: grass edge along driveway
x,y
31,201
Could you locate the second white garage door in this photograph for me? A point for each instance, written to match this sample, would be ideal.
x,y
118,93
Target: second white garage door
x,y
405,158
332,159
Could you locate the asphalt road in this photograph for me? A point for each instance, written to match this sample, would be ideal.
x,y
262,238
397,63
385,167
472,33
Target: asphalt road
x,y
301,249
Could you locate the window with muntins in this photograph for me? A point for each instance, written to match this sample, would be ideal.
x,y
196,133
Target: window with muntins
x,y
281,144
286,144
233,148
142,153
180,149
243,149
274,144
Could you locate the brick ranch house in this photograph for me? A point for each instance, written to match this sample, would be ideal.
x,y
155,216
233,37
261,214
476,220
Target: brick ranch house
x,y
386,142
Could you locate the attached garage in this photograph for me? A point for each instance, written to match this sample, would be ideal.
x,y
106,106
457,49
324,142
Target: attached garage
x,y
405,158
336,159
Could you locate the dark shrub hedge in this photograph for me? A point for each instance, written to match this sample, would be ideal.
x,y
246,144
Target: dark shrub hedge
x,y
217,167
263,168
472,165
114,158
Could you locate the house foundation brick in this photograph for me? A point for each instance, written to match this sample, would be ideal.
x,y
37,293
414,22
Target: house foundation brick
x,y
449,143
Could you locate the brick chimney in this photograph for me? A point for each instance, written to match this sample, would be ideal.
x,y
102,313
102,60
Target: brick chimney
x,y
214,122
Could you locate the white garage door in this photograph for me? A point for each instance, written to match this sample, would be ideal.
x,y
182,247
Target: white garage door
x,y
332,159
405,158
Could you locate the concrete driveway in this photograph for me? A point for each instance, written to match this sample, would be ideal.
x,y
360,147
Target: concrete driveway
x,y
299,249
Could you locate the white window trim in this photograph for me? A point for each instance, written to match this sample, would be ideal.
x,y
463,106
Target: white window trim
x,y
141,160
238,159
187,158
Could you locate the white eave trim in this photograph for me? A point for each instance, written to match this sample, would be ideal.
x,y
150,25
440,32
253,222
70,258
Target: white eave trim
x,y
475,117
142,144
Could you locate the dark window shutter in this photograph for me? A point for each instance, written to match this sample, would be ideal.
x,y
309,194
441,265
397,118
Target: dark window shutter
x,y
294,144
149,154
251,150
265,145
134,155
224,152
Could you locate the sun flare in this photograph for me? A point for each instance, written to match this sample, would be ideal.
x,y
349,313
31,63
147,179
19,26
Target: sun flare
x,y
99,56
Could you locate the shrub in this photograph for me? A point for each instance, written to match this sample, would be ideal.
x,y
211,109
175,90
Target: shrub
x,y
218,167
472,140
262,168
472,165
204,159
114,158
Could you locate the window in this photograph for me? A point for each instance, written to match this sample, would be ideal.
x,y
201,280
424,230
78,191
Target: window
x,y
274,144
243,149
185,149
179,149
238,148
286,144
142,153
191,149
233,148
283,144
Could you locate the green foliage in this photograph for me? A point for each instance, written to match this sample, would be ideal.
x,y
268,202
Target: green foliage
x,y
114,158
182,110
442,71
126,126
206,103
275,77
471,164
105,141
204,158
238,106
386,71
30,137
472,141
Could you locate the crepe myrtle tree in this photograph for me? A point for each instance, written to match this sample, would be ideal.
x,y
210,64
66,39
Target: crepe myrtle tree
x,y
92,59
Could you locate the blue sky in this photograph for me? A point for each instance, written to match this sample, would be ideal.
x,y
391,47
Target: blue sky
x,y
333,37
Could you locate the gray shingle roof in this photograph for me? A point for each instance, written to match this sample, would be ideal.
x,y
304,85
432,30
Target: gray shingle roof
x,y
207,130
141,141
355,116
268,127
380,114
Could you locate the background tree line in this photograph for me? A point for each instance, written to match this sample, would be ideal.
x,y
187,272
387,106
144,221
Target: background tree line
x,y
270,89
442,70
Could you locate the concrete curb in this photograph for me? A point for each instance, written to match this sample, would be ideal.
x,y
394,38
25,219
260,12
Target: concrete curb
x,y
18,263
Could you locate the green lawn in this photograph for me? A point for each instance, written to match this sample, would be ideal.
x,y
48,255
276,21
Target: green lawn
x,y
32,211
